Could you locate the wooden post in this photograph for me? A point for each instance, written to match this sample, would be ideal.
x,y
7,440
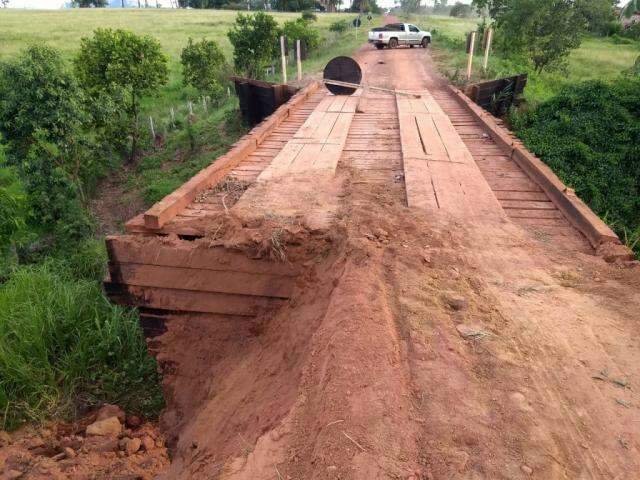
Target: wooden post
x,y
284,60
173,118
153,131
190,105
472,45
228,92
204,103
487,47
298,61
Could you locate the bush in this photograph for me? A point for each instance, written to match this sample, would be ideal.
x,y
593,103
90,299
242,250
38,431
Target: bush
x,y
589,134
309,16
13,211
614,27
460,10
43,119
632,32
40,98
64,347
301,30
255,39
124,66
339,26
203,67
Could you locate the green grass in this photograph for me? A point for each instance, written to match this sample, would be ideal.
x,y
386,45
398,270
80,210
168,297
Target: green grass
x,y
596,58
64,347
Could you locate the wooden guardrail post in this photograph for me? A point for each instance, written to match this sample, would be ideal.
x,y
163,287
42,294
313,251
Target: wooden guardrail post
x,y
487,47
284,60
298,62
472,44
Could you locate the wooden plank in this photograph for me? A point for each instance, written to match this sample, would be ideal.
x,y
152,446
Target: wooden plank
x,y
181,278
169,206
521,184
187,301
430,139
520,195
528,205
528,213
185,254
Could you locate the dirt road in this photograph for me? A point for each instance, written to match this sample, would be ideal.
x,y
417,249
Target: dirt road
x,y
419,343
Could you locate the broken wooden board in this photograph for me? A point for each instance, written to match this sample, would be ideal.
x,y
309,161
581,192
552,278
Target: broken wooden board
x,y
440,173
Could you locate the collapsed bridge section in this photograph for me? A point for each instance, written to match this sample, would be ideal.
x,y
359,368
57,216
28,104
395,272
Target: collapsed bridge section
x,y
216,244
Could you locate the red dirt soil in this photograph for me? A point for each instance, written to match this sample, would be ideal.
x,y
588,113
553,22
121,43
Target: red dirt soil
x,y
415,346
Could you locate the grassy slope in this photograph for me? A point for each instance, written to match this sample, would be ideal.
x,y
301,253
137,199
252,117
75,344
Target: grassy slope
x,y
597,58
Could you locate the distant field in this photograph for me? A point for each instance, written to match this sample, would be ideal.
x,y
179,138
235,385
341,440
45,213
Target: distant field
x,y
597,58
64,28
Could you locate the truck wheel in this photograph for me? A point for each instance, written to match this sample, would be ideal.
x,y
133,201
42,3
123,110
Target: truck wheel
x,y
425,42
411,46
379,46
393,43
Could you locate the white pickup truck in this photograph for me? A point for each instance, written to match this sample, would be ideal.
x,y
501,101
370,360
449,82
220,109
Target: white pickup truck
x,y
395,34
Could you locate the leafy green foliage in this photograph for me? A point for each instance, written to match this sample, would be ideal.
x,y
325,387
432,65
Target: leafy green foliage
x,y
547,30
597,13
42,118
309,16
204,67
339,26
632,32
589,134
460,10
41,101
631,7
292,5
124,66
63,346
300,29
13,209
255,41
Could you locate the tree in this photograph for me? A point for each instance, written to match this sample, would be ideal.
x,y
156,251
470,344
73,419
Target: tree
x,y
292,5
41,101
546,30
5,3
300,29
90,3
125,66
43,120
440,6
632,7
460,10
410,6
255,42
203,66
597,13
